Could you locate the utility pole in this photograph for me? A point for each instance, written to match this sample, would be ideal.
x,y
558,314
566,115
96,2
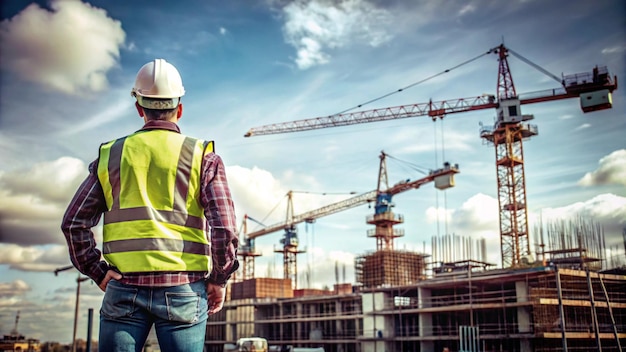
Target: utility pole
x,y
79,279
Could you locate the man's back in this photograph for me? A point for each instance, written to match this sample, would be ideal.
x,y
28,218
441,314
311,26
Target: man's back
x,y
161,193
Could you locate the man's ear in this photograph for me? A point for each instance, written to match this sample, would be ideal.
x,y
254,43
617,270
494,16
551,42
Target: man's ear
x,y
179,112
139,109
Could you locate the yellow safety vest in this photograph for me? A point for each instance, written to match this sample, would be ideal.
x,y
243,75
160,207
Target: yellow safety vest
x,y
151,182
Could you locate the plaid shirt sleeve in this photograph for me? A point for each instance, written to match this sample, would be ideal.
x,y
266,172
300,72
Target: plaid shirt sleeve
x,y
83,213
220,213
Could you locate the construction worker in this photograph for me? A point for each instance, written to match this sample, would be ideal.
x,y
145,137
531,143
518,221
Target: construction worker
x,y
162,194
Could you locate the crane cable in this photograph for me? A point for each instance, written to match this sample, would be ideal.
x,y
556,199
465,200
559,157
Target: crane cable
x,y
413,166
436,194
445,198
415,83
445,193
539,68
271,211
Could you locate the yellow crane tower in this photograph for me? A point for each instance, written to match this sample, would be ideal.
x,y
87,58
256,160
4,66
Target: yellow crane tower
x,y
510,129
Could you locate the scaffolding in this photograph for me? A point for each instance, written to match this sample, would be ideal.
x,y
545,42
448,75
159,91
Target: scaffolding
x,y
575,310
389,268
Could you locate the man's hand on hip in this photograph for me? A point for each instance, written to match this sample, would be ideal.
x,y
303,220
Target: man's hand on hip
x,y
111,274
216,295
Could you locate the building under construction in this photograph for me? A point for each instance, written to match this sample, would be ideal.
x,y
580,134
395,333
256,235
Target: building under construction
x,y
404,301
556,296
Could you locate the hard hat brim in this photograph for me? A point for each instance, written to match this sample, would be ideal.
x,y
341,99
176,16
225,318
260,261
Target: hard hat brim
x,y
157,103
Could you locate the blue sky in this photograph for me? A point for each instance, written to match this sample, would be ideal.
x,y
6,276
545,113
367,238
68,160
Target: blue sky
x,y
68,66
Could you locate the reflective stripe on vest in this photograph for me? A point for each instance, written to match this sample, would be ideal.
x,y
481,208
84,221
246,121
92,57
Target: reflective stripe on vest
x,y
154,222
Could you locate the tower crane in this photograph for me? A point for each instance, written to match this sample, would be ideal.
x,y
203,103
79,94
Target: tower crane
x,y
384,219
247,249
509,130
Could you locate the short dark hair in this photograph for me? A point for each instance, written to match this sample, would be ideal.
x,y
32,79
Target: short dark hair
x,y
154,114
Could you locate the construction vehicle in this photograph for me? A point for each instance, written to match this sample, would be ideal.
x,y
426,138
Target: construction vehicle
x,y
249,344
384,219
259,344
507,133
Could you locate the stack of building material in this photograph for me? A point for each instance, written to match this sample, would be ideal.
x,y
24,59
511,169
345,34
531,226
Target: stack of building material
x,y
262,288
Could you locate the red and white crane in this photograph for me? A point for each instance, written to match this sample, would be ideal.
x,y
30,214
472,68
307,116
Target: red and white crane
x,y
509,130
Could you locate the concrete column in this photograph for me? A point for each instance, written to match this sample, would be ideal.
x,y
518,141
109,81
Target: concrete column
x,y
261,314
231,329
300,320
375,328
282,316
425,320
338,312
523,315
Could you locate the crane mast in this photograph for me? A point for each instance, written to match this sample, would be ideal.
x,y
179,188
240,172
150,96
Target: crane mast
x,y
383,219
247,249
507,134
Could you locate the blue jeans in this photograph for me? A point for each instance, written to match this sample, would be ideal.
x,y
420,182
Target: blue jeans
x,y
178,313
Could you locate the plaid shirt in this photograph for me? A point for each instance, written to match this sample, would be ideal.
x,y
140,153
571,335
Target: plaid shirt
x,y
88,205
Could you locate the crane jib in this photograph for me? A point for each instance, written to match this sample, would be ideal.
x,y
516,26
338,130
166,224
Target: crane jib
x,y
364,198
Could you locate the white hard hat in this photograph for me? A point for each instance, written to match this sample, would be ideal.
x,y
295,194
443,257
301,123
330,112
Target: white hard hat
x,y
158,85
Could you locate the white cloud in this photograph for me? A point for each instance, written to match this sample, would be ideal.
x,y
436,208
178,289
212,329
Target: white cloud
x,y
223,31
34,258
607,209
314,26
260,194
255,191
477,218
15,288
328,268
584,126
32,201
69,49
478,213
438,215
50,181
131,47
612,170
469,8
614,49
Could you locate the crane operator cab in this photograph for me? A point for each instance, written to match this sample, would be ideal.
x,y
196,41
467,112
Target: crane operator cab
x,y
509,111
